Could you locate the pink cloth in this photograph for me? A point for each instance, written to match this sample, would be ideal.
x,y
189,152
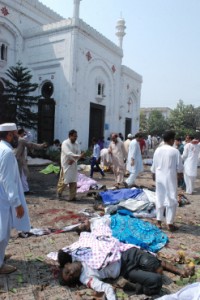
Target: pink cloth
x,y
98,248
84,183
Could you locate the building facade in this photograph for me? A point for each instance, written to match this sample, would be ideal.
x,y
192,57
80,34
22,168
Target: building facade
x,y
82,82
165,111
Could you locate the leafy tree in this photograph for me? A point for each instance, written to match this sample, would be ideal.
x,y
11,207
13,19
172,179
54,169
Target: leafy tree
x,y
157,123
184,119
19,89
143,122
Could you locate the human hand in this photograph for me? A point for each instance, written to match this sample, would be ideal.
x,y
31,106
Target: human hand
x,y
70,161
82,155
19,211
132,162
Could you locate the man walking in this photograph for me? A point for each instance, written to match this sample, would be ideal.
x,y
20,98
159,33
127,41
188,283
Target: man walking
x,y
118,154
13,209
190,158
95,159
167,163
70,154
134,162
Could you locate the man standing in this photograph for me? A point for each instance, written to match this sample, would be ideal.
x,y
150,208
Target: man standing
x,y
190,158
127,143
167,163
70,154
118,154
134,163
13,209
95,158
179,145
21,156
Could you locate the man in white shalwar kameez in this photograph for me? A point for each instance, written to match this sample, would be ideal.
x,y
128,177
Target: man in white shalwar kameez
x,y
190,157
13,208
70,154
118,154
167,162
134,162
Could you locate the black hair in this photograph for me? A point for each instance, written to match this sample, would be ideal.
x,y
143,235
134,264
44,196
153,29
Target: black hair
x,y
64,258
138,135
191,137
70,283
20,131
168,135
94,140
56,141
178,139
72,132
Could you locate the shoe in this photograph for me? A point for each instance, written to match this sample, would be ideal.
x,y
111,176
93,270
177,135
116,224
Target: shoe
x,y
7,269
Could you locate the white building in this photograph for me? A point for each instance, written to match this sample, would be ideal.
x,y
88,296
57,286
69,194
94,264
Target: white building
x,y
74,65
165,111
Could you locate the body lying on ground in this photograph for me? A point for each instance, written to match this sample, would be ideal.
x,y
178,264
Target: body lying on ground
x,y
97,256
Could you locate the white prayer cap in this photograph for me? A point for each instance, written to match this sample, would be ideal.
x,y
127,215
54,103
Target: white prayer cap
x,y
129,136
8,127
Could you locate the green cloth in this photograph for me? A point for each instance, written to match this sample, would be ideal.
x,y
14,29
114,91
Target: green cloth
x,y
50,169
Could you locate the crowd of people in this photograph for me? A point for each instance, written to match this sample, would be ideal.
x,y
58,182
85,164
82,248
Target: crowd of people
x,y
174,163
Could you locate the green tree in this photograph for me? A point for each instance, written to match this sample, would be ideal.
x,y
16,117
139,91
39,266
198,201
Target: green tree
x,y
157,123
19,89
184,119
143,122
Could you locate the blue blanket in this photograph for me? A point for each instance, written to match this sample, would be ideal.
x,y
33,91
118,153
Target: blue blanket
x,y
114,197
131,230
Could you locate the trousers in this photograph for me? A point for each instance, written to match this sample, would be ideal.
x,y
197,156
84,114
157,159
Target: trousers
x,y
140,267
61,186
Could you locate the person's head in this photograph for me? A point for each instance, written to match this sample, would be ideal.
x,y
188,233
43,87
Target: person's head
x,y
56,142
70,273
94,141
129,136
188,138
138,136
177,141
8,133
21,132
114,137
121,136
73,136
169,137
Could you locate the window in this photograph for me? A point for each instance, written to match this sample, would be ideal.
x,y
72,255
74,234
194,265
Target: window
x,y
4,49
100,91
47,89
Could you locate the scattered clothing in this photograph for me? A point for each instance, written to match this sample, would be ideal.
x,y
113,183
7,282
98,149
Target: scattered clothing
x,y
50,169
114,197
135,231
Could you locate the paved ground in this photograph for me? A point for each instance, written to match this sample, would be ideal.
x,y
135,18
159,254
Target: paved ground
x,y
36,277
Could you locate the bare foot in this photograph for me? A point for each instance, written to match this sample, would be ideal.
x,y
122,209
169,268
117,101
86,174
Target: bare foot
x,y
159,224
172,227
188,271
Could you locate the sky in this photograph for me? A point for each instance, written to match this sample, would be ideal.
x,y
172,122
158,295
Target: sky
x,y
162,43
